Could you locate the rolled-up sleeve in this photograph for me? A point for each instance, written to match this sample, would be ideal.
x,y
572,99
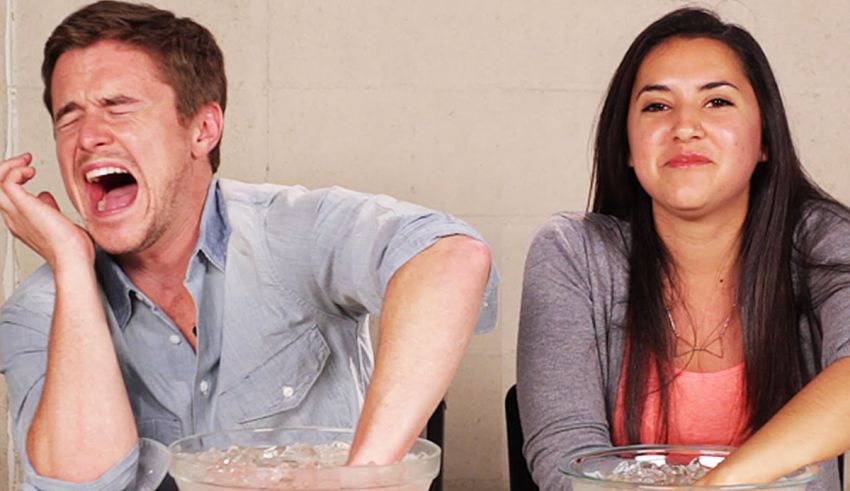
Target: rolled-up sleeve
x,y
142,469
24,335
359,241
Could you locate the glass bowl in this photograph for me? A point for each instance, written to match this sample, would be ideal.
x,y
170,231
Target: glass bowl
x,y
588,472
192,469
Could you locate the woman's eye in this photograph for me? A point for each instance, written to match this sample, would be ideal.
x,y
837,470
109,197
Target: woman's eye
x,y
654,107
719,102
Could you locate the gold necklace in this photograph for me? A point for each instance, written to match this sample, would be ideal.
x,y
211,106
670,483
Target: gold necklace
x,y
707,345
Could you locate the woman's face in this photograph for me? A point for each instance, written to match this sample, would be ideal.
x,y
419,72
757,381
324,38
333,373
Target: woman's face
x,y
694,129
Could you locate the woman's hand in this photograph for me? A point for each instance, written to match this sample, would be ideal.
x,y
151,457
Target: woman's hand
x,y
725,474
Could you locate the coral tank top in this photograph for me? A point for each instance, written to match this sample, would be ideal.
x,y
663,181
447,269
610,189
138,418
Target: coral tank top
x,y
705,408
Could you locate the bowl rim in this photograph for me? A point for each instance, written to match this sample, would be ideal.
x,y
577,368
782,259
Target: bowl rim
x,y
803,475
433,457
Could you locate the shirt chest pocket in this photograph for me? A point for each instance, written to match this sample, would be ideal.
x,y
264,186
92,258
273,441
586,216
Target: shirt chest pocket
x,y
279,384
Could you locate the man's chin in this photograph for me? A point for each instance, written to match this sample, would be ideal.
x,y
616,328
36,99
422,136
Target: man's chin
x,y
116,249
114,244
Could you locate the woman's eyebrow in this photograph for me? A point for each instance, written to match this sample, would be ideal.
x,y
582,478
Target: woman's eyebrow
x,y
719,83
664,88
653,88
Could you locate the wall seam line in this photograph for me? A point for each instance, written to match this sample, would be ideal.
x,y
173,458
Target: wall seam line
x,y
10,272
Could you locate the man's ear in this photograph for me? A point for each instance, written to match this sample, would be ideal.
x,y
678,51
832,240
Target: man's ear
x,y
207,125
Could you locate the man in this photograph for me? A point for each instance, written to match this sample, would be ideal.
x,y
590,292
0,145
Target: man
x,y
189,304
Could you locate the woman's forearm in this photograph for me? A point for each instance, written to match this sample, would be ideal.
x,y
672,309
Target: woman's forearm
x,y
810,428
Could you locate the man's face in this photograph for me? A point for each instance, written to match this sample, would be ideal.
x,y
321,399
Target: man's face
x,y
126,160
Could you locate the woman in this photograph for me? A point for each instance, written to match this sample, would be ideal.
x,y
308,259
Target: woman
x,y
707,297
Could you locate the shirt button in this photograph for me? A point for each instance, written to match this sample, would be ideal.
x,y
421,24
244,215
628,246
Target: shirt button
x,y
288,391
175,339
204,386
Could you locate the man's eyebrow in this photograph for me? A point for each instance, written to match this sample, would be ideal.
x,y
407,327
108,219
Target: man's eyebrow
x,y
104,102
117,100
67,108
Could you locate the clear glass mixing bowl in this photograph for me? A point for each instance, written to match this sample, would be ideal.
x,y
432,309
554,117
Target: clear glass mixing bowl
x,y
192,471
588,472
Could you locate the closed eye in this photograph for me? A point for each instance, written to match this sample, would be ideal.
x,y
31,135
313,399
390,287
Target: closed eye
x,y
66,121
119,105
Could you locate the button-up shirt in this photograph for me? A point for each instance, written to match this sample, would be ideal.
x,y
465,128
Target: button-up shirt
x,y
283,280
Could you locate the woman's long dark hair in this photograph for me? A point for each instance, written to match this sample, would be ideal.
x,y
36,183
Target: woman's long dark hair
x,y
776,368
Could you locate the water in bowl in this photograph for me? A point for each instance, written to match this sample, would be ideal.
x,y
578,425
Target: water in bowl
x,y
271,467
295,459
664,468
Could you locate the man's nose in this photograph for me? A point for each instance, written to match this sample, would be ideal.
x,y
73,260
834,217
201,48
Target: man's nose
x,y
94,133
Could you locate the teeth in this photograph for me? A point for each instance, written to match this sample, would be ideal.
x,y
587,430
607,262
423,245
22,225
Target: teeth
x,y
95,174
101,205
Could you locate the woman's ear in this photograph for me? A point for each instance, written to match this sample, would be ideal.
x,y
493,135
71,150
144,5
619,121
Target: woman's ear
x,y
207,126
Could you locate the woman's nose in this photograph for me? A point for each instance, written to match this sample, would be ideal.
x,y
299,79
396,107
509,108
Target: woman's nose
x,y
687,125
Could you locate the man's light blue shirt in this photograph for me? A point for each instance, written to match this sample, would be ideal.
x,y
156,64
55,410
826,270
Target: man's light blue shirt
x,y
283,280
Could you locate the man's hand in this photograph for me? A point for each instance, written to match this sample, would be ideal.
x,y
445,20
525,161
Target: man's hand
x,y
36,220
76,434
429,313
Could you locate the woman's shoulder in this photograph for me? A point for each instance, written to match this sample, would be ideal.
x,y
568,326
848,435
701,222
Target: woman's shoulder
x,y
584,230
824,229
818,212
588,239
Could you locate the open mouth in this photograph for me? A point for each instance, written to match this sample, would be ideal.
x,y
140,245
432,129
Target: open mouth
x,y
110,188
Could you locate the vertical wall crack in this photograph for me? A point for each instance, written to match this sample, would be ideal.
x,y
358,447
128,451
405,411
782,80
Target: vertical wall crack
x,y
10,266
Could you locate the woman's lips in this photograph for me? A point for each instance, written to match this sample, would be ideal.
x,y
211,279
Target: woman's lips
x,y
688,160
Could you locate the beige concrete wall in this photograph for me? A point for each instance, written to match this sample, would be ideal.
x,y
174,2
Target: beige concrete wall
x,y
481,108
4,400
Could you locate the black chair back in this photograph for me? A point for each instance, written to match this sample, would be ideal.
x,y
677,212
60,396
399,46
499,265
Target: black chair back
x,y
167,484
517,468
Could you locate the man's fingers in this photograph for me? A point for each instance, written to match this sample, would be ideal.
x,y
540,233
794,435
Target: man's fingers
x,y
48,199
13,195
20,175
15,162
12,185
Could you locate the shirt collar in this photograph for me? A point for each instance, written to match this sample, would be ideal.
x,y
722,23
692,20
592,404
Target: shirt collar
x,y
212,244
215,228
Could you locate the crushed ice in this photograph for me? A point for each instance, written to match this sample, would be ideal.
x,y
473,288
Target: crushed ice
x,y
271,465
651,472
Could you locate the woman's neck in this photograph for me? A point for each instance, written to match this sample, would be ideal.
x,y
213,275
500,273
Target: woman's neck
x,y
701,295
704,249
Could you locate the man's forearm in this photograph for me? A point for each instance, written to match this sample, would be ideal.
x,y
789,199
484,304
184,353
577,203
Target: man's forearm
x,y
429,313
84,423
